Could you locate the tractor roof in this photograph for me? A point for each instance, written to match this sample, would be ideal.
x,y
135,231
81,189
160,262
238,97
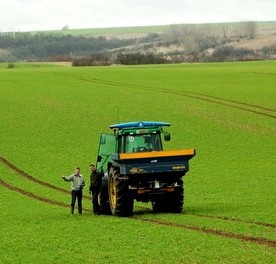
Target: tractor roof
x,y
139,124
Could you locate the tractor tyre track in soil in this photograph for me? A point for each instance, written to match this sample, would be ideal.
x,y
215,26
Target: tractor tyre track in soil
x,y
228,219
31,195
255,109
234,220
221,102
29,177
34,196
257,240
33,179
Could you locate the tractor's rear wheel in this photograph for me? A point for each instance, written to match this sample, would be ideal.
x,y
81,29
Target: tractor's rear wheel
x,y
176,198
120,200
170,202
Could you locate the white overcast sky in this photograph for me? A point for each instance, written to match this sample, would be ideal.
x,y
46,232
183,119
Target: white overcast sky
x,y
24,15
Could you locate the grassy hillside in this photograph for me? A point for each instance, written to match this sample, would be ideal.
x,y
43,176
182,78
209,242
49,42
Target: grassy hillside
x,y
112,30
51,120
262,25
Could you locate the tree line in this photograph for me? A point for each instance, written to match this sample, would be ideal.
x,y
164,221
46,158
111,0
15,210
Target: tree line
x,y
179,43
42,46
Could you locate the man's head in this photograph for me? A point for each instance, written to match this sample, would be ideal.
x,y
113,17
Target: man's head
x,y
77,171
92,167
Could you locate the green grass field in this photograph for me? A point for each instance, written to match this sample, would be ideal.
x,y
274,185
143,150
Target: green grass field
x,y
51,119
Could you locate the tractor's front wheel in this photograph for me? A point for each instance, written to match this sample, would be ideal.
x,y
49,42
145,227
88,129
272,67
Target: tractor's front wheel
x,y
103,198
120,200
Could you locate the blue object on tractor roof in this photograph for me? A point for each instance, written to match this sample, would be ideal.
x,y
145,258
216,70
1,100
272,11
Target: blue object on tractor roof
x,y
139,124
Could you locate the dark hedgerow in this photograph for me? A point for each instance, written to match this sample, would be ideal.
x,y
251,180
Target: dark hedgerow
x,y
104,59
97,59
139,58
229,53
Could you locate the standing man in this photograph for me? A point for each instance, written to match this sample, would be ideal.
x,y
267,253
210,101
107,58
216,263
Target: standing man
x,y
77,184
95,188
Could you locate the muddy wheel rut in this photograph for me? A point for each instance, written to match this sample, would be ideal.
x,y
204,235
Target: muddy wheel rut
x,y
228,219
33,179
257,240
34,196
43,183
255,109
247,238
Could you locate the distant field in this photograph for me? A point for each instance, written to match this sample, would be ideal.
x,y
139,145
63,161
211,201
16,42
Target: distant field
x,y
114,31
51,119
148,29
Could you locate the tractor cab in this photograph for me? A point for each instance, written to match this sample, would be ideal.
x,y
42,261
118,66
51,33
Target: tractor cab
x,y
132,137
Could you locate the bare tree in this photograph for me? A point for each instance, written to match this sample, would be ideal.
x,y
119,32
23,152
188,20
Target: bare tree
x,y
225,30
249,29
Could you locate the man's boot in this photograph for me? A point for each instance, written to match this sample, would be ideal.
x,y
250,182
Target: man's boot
x,y
72,210
80,209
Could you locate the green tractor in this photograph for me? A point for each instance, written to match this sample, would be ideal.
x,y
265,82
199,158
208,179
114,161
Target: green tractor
x,y
134,166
